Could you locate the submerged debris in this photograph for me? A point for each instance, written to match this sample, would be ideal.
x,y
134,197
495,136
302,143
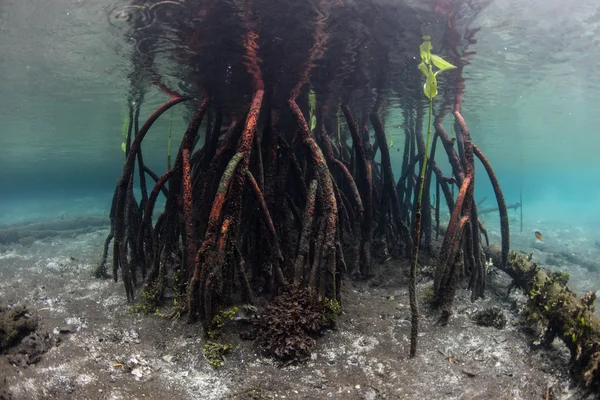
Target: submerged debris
x,y
15,323
291,321
31,349
559,313
214,351
4,394
490,317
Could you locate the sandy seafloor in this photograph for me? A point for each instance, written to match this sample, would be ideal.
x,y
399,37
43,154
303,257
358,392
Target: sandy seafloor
x,y
366,357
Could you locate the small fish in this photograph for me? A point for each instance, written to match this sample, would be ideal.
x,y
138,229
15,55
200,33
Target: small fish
x,y
489,266
118,365
538,235
245,312
391,142
44,309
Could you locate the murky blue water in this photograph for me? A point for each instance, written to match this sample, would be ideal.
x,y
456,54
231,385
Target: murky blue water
x,y
531,101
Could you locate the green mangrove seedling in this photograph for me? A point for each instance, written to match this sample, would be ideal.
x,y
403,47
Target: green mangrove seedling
x,y
428,61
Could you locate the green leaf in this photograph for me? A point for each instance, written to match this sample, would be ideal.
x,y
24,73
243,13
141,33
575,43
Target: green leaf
x,y
425,49
313,122
423,68
125,126
123,147
442,64
430,87
312,100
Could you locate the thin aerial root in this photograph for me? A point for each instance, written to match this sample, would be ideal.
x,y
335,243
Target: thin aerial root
x,y
485,233
151,201
314,269
443,181
303,246
409,170
182,166
365,181
327,192
450,287
269,223
121,191
208,272
243,275
448,144
155,178
350,180
188,207
101,271
200,268
504,226
386,164
450,237
437,207
266,215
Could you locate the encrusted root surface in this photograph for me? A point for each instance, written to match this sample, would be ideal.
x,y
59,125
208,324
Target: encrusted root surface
x,y
107,352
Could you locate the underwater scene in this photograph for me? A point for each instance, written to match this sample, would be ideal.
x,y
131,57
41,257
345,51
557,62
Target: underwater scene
x,y
299,199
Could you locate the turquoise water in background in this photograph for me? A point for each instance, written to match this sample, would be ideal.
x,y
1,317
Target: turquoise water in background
x,y
531,102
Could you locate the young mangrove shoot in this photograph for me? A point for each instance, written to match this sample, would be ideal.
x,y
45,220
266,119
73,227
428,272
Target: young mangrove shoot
x,y
428,61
